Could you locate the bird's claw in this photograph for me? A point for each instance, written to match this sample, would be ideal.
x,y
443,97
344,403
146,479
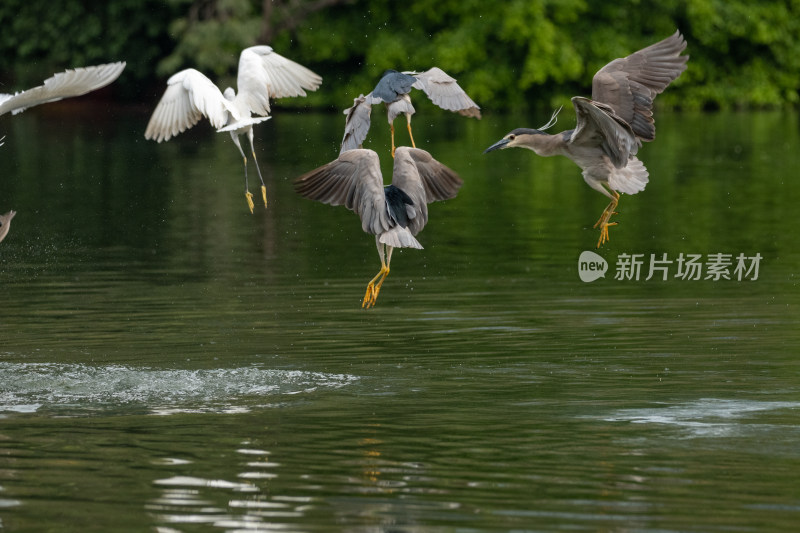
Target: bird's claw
x,y
604,238
250,203
370,297
373,288
603,222
263,195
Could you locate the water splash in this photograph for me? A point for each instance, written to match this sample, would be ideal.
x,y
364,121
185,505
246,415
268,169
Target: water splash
x,y
706,416
31,387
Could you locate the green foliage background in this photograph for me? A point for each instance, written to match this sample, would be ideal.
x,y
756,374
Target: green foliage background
x,y
509,55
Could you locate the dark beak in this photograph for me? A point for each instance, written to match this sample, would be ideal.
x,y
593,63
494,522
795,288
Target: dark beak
x,y
497,146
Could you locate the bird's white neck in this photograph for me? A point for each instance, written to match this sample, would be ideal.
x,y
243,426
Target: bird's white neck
x,y
546,145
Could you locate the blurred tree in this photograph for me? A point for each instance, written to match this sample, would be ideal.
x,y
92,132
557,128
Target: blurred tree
x,y
278,16
212,33
39,38
511,55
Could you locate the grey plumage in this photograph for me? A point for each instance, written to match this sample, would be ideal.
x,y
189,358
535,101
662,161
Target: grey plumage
x,y
394,214
393,90
611,126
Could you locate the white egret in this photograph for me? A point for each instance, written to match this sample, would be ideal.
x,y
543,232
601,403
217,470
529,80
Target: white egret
x,y
190,95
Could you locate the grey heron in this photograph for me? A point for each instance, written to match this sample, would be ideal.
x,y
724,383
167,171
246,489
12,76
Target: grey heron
x,y
612,125
395,214
190,95
393,90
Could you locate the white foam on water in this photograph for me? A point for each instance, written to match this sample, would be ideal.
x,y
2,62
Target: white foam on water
x,y
706,416
30,387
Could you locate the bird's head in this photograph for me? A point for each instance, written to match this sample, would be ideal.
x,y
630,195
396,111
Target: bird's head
x,y
229,94
261,50
522,137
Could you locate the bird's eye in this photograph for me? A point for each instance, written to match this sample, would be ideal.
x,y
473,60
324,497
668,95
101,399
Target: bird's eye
x,y
510,137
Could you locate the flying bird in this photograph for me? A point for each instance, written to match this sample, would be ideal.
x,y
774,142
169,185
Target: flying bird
x,y
611,126
5,223
190,95
71,82
396,213
393,90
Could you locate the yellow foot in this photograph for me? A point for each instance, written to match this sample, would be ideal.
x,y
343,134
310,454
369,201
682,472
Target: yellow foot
x,y
249,197
604,238
374,287
603,222
264,195
370,296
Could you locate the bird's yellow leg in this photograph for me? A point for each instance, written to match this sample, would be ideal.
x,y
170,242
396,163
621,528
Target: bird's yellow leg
x,y
263,187
378,285
603,222
247,194
258,169
385,270
408,119
371,296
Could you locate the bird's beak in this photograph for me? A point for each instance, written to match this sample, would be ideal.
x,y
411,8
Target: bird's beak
x,y
499,145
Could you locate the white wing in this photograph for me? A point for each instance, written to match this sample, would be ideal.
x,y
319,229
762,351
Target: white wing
x,y
444,91
190,96
263,74
73,82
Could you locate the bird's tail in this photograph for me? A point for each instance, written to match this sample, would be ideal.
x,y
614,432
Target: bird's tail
x,y
243,123
630,179
399,237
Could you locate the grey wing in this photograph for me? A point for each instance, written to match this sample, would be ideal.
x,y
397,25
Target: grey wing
x,y
354,181
72,82
424,180
598,125
444,91
356,123
630,84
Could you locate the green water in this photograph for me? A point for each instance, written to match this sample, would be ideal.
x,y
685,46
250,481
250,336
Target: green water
x,y
171,363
